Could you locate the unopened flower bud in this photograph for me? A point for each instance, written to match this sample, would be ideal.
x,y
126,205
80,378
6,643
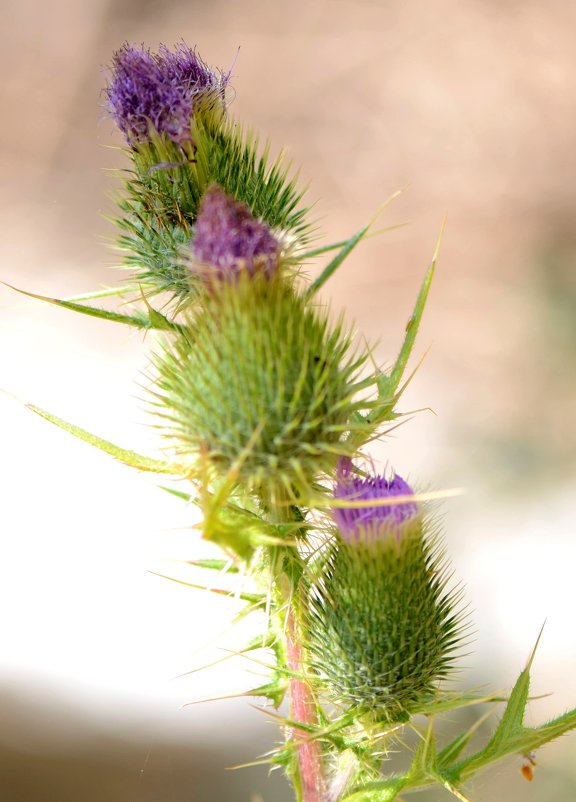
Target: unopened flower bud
x,y
262,383
375,522
228,239
383,626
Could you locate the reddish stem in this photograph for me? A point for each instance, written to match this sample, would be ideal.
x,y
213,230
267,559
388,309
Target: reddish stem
x,y
303,708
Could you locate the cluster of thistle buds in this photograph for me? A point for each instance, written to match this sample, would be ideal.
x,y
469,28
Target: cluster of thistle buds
x,y
259,386
268,407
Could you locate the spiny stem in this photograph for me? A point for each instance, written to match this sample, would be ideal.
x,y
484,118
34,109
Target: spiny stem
x,y
307,770
303,709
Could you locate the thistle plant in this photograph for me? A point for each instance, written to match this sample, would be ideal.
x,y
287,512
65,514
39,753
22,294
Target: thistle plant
x,y
267,408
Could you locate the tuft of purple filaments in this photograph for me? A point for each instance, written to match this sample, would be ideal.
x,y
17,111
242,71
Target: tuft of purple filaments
x,y
159,90
230,239
371,523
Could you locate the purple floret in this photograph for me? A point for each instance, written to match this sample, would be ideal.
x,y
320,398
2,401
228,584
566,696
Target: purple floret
x,y
370,523
159,90
230,239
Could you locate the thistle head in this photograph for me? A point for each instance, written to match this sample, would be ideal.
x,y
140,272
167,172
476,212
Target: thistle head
x,y
159,91
394,506
383,626
261,382
228,239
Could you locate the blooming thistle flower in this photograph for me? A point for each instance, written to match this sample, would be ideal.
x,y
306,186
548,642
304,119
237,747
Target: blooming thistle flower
x,y
159,91
383,627
228,239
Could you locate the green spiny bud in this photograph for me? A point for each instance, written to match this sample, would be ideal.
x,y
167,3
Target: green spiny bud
x,y
383,627
261,383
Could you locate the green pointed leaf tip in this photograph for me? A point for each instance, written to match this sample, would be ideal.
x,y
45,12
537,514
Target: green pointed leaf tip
x,y
382,625
389,383
222,566
254,599
511,736
264,385
130,458
411,330
331,268
139,320
167,185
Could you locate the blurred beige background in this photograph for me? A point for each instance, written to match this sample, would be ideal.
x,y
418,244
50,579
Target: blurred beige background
x,y
470,105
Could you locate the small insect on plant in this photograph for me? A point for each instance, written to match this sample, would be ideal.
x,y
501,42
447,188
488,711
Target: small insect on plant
x,y
528,766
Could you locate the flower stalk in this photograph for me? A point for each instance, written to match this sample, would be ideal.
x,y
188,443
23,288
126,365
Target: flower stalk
x,y
310,779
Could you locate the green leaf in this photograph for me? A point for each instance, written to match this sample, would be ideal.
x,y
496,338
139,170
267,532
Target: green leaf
x,y
452,750
452,788
381,791
519,742
253,598
140,320
347,246
337,261
448,702
106,292
511,736
130,458
424,762
215,565
181,494
388,383
552,729
274,690
305,255
393,380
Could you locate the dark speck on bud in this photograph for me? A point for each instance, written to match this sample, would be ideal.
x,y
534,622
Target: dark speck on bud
x,y
228,239
367,524
159,90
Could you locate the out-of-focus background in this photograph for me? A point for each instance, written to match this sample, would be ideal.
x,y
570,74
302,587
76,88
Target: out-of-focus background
x,y
470,106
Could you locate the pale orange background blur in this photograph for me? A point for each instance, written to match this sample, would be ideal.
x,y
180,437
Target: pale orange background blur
x,y
470,107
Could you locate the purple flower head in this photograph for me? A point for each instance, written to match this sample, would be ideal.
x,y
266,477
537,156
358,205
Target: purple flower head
x,y
159,90
229,239
368,524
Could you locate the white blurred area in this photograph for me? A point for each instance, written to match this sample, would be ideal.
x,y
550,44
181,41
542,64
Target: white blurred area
x,y
471,107
81,532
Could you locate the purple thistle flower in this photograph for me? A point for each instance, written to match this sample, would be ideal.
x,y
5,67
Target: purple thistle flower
x,y
367,524
159,90
230,239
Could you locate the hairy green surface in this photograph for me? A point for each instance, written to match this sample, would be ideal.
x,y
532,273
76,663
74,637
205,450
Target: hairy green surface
x,y
383,626
263,384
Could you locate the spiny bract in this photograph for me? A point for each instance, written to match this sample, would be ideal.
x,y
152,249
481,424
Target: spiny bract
x,y
166,187
260,382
